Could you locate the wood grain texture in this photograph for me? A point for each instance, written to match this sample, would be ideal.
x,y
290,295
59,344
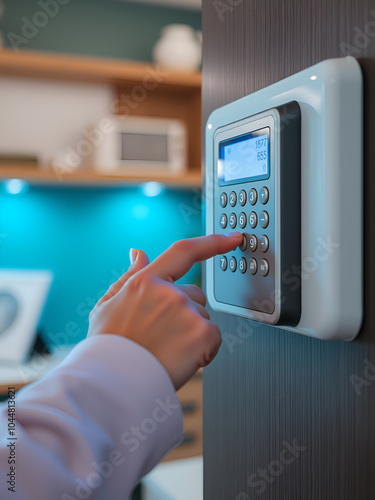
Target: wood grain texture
x,y
28,63
268,387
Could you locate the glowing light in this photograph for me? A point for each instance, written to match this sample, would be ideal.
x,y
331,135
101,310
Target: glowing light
x,y
209,126
313,77
15,186
151,189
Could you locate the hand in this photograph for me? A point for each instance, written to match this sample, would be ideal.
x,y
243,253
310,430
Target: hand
x,y
146,306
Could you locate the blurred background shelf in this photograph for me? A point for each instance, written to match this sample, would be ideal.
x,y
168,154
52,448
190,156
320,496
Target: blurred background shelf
x,y
132,89
44,65
38,176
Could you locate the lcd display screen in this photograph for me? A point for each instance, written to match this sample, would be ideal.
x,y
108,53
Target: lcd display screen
x,y
245,158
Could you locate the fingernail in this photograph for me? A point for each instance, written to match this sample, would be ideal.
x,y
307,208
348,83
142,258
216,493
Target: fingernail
x,y
133,254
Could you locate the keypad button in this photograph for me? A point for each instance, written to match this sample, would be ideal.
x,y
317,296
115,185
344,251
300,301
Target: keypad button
x,y
223,263
242,220
264,195
233,221
253,265
264,219
242,265
233,264
232,199
264,243
243,245
223,200
223,221
253,196
242,197
253,243
264,267
253,220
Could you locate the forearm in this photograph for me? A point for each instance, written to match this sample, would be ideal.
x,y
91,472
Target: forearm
x,y
94,426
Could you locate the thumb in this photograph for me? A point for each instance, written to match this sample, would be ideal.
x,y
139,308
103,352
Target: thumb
x,y
139,260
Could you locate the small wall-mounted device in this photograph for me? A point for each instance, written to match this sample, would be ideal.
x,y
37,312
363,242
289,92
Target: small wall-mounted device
x,y
284,167
144,145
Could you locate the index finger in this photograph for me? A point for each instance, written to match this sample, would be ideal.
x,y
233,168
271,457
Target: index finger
x,y
178,259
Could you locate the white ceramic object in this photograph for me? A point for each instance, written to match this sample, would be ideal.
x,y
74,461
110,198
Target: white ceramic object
x,y
179,47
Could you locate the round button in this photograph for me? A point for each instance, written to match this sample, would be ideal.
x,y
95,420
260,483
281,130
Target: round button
x,y
242,197
253,266
264,219
223,221
264,243
253,243
264,267
232,199
244,243
223,199
263,195
223,263
242,220
233,264
253,220
233,221
242,265
253,196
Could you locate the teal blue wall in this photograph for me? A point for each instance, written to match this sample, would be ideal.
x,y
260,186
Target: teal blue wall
x,y
84,235
105,28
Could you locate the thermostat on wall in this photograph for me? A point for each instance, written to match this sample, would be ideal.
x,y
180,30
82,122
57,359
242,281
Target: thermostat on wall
x,y
284,167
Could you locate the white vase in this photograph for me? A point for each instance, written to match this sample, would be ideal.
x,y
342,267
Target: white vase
x,y
179,47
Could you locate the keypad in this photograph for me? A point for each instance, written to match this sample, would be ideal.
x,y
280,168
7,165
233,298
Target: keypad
x,y
223,200
264,243
264,195
264,219
233,264
242,198
253,220
223,263
264,267
253,265
232,199
233,220
242,265
255,245
253,196
243,245
223,221
253,242
242,220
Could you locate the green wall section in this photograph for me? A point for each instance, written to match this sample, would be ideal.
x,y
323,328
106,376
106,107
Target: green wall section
x,y
107,28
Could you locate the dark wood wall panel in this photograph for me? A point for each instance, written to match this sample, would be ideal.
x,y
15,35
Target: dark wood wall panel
x,y
269,388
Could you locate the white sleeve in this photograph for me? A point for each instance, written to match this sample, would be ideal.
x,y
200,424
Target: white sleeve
x,y
93,426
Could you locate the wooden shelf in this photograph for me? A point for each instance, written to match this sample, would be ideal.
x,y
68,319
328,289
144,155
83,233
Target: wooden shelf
x,y
88,69
176,95
38,176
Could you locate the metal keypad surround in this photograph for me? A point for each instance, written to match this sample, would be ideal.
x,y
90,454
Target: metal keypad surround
x,y
244,285
266,209
263,278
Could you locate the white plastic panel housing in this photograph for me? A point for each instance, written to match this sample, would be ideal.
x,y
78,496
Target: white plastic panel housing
x,y
330,98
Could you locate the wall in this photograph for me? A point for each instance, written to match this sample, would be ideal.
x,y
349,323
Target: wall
x,y
288,417
106,28
84,237
84,234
